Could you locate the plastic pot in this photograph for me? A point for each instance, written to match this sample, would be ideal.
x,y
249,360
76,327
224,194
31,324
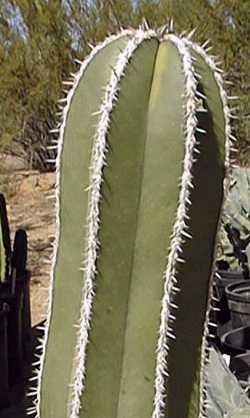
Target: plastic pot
x,y
240,366
223,279
238,298
236,341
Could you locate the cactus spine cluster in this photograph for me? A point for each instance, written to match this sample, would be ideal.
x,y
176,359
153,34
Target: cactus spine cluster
x,y
140,172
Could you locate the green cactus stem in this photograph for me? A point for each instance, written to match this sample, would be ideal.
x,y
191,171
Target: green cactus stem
x,y
140,173
5,243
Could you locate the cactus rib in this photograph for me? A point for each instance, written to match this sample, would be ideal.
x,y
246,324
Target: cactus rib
x,y
97,164
64,114
230,139
180,231
205,353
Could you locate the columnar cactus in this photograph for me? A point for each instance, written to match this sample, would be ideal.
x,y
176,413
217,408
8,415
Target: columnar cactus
x,y
15,328
5,244
140,171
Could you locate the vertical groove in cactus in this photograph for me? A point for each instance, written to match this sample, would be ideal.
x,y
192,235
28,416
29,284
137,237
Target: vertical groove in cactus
x,y
139,191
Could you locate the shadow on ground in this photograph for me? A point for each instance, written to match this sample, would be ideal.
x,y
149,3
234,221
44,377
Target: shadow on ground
x,y
19,401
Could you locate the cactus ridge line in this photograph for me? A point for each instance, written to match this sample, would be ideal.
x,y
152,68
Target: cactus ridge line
x,y
35,411
227,111
229,142
97,164
180,229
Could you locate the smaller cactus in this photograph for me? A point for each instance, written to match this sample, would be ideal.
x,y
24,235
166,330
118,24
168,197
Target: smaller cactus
x,y
5,254
15,324
19,257
5,243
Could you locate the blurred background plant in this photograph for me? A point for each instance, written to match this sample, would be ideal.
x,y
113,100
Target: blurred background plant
x,y
39,40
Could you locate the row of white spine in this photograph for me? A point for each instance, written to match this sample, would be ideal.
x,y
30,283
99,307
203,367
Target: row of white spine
x,y
39,364
97,165
229,145
180,231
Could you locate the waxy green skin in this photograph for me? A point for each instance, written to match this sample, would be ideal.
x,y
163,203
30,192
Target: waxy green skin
x,y
139,201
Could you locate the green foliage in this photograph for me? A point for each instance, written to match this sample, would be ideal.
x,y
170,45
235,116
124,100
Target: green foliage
x,y
236,213
35,62
237,205
39,39
225,396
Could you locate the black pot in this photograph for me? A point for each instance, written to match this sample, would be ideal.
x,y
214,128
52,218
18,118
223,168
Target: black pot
x,y
236,341
223,279
240,366
238,298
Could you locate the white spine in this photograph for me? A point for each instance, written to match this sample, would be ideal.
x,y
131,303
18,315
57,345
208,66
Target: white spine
x,y
179,232
98,162
229,142
40,362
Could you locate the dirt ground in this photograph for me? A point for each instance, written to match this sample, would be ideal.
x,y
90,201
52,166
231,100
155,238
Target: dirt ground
x,y
29,207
